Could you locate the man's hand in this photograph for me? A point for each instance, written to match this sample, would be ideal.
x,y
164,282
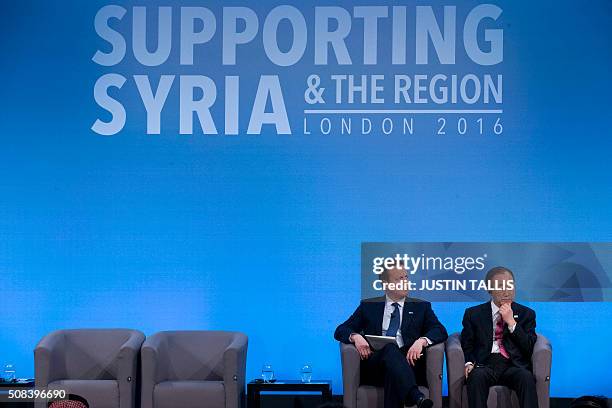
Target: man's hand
x,y
468,369
415,351
362,346
505,310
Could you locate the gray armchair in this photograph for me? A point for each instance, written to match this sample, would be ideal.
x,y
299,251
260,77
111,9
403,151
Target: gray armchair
x,y
189,369
368,396
499,396
98,364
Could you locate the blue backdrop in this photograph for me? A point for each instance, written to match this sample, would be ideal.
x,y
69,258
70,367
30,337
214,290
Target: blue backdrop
x,y
262,233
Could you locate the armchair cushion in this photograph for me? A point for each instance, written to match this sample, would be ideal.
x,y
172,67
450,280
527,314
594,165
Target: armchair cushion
x,y
189,394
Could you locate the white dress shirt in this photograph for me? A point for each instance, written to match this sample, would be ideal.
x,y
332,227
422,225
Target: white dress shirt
x,y
495,315
387,319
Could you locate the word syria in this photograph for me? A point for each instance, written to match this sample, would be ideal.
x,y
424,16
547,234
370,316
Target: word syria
x,y
364,35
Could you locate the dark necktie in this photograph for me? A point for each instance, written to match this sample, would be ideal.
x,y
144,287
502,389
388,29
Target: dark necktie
x,y
499,336
394,323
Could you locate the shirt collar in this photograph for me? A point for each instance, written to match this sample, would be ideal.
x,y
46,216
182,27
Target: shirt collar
x,y
494,308
389,301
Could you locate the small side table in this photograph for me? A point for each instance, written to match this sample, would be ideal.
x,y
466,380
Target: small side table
x,y
254,389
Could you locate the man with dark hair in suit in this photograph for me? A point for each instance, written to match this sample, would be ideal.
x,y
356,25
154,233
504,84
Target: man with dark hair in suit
x,y
398,367
497,340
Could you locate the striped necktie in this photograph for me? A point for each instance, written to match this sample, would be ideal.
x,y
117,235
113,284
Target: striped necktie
x,y
499,334
394,323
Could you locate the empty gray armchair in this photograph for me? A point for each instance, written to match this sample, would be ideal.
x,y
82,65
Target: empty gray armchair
x,y
357,395
499,396
185,369
100,365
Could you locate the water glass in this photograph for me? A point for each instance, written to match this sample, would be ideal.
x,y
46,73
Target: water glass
x,y
9,372
267,372
306,373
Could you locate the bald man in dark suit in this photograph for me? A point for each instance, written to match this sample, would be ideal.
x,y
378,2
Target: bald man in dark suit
x,y
398,367
497,340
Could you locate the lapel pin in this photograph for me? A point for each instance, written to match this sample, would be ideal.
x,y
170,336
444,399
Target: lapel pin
x,y
409,312
515,316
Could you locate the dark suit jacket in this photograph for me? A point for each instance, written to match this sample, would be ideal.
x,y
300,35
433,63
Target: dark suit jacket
x,y
477,334
418,320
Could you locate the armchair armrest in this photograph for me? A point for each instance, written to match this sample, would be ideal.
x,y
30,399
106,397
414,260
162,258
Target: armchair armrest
x,y
455,368
434,364
351,363
152,368
49,362
234,371
541,360
128,357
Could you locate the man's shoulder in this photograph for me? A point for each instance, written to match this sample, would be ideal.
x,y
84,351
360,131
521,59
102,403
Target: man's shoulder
x,y
378,299
372,302
417,301
517,307
418,305
476,308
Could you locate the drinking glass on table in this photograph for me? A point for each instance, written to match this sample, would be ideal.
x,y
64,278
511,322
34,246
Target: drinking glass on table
x,y
306,373
9,372
267,372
